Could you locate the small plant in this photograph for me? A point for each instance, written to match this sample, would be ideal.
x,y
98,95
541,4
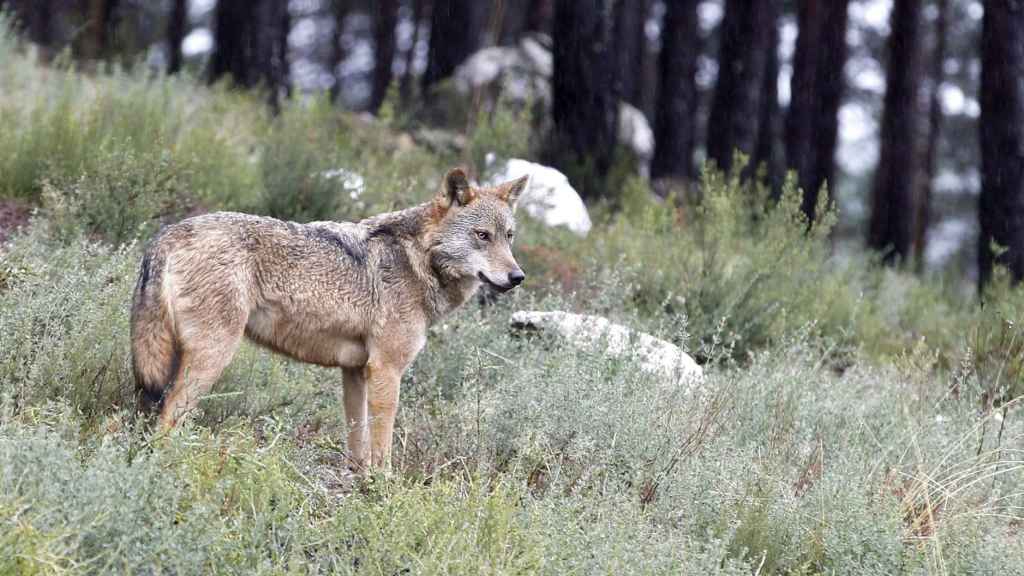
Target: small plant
x,y
123,197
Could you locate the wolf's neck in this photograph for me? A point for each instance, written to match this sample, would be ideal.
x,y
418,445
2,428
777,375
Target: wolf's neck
x,y
410,223
411,229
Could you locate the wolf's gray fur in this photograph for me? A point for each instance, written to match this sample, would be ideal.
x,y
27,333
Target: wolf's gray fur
x,y
359,296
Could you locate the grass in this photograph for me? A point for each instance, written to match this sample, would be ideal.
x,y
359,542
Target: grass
x,y
853,420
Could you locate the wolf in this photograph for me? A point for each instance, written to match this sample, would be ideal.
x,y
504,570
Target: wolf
x,y
357,296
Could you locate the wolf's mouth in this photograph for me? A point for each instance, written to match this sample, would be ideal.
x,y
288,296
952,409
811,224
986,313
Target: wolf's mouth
x,y
499,287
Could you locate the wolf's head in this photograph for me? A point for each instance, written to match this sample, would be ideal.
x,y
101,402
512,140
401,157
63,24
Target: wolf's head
x,y
474,231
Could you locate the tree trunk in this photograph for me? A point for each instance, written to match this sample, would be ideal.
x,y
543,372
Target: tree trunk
x,y
676,119
282,16
816,90
456,27
891,229
768,152
177,25
385,19
1001,206
251,45
406,85
540,16
34,17
735,110
339,11
584,94
630,49
99,24
924,200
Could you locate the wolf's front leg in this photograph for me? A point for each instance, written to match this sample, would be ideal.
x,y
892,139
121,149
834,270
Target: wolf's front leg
x,y
355,417
383,383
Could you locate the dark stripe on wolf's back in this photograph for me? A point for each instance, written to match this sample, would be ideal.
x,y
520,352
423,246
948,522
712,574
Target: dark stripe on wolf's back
x,y
144,272
394,230
355,250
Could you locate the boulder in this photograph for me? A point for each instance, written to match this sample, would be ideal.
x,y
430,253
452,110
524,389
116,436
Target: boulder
x,y
635,133
548,197
351,182
660,359
522,74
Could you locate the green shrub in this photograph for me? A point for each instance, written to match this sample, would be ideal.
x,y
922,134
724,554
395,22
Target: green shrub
x,y
123,197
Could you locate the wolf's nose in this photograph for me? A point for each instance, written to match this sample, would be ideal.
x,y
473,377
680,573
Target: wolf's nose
x,y
516,277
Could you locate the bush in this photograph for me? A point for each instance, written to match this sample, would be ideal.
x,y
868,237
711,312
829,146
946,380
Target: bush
x,y
123,198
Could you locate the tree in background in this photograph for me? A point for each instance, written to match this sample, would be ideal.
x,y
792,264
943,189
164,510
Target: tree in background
x,y
36,18
385,19
676,112
406,84
768,153
519,17
99,17
891,229
933,134
630,18
251,45
336,55
736,109
1001,207
584,91
177,24
816,91
456,27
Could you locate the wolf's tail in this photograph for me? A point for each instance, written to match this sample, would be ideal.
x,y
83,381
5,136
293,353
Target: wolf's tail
x,y
155,352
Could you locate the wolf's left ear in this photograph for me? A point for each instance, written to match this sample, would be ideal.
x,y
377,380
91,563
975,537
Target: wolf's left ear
x,y
457,189
510,191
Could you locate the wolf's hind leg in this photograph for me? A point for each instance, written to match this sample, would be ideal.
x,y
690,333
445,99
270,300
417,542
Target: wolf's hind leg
x,y
199,369
355,416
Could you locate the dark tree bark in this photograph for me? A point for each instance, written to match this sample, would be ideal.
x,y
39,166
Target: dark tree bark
x,y
540,16
456,27
281,69
385,19
1001,206
675,124
891,229
584,94
177,24
34,17
339,11
735,110
406,85
816,91
100,24
520,17
936,76
251,45
630,49
768,154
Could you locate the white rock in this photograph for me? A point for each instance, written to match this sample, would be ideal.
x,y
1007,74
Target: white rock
x,y
524,73
483,67
548,197
657,357
635,132
352,182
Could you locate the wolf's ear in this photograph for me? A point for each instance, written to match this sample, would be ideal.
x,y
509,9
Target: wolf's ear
x,y
510,191
457,190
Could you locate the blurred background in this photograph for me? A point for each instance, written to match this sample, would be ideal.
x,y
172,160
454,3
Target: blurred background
x,y
878,100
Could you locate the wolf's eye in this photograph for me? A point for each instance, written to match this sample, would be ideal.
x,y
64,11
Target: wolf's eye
x,y
510,235
483,235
